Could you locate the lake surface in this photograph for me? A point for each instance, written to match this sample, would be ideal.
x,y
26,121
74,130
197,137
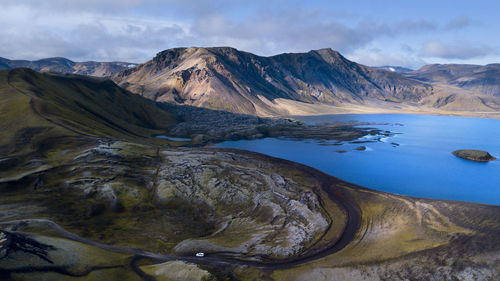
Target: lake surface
x,y
172,138
415,161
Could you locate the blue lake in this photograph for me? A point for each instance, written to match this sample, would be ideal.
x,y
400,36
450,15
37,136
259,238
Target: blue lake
x,y
415,161
172,138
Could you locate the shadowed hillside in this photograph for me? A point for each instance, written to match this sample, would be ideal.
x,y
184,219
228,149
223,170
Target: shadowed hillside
x,y
37,106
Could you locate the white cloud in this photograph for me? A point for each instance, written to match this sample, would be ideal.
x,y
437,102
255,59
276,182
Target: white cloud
x,y
63,6
454,51
135,30
27,34
377,57
458,23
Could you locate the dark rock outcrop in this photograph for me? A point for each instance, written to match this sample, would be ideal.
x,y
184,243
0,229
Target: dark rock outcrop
x,y
474,155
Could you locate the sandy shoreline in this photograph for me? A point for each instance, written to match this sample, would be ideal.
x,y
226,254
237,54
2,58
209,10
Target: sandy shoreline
x,y
304,109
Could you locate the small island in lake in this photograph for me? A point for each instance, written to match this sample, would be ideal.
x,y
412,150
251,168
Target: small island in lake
x,y
474,155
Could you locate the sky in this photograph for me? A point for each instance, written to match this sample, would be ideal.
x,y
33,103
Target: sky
x,y
372,32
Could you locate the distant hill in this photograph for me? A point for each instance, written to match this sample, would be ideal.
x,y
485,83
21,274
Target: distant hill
x,y
476,78
63,65
228,79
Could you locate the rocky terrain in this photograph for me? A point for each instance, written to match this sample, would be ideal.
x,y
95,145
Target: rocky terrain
x,y
87,192
63,65
198,125
195,200
142,212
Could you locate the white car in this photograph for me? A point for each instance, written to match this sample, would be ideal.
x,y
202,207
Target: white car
x,y
200,254
3,239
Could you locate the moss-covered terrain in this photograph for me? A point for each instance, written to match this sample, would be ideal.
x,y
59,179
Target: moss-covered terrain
x,y
88,193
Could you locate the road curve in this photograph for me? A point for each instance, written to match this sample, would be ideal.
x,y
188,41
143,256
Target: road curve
x,y
328,184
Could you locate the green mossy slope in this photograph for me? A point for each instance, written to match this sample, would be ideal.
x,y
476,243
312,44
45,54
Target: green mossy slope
x,y
35,107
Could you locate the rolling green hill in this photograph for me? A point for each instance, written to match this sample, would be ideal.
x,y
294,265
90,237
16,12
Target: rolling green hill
x,y
36,106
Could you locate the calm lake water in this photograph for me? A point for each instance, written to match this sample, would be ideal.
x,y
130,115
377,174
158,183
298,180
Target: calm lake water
x,y
172,138
416,161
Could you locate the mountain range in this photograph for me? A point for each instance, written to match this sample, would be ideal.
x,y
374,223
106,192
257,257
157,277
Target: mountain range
x,y
228,79
476,78
63,65
317,82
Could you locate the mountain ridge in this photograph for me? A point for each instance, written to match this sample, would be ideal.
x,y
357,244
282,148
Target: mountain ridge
x,y
251,84
66,66
312,83
484,79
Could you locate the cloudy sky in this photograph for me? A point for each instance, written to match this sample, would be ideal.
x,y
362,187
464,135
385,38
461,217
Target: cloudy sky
x,y
372,32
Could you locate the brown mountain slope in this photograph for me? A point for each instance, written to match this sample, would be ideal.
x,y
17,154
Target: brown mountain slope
x,y
482,79
228,79
461,87
63,65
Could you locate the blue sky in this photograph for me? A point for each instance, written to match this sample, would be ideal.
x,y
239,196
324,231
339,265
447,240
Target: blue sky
x,y
376,32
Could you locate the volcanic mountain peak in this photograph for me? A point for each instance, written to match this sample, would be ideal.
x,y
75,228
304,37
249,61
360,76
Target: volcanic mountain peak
x,y
329,55
228,79
205,57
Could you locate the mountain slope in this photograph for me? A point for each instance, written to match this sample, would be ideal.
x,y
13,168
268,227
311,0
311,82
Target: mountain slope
x,y
227,79
52,106
476,78
63,65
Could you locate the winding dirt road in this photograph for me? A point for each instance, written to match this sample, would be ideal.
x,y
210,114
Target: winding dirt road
x,y
328,184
